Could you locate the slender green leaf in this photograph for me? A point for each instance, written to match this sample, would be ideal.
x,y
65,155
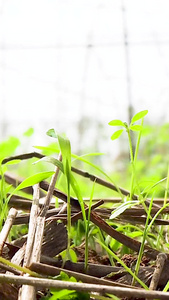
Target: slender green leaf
x,y
65,148
53,161
116,123
87,227
101,171
13,162
135,127
33,180
53,149
73,182
139,116
88,154
119,210
116,134
77,192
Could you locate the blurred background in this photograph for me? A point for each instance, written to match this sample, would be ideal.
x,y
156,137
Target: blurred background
x,y
75,65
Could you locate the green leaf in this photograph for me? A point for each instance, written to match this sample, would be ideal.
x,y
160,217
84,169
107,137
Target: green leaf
x,y
116,123
77,192
13,162
119,210
53,149
139,116
29,132
53,161
51,133
65,148
73,255
89,154
62,294
72,181
8,147
135,127
116,134
33,180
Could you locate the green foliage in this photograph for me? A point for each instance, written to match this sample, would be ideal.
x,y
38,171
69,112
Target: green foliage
x,y
140,115
32,180
146,175
137,117
8,147
121,208
72,255
65,149
116,134
58,294
133,156
29,132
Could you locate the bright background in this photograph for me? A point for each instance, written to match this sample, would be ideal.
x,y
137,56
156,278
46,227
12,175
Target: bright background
x,y
74,65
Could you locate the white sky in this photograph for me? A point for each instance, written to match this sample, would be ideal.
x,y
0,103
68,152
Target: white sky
x,y
49,77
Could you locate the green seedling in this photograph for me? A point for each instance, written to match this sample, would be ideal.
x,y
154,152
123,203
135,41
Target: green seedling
x,y
128,128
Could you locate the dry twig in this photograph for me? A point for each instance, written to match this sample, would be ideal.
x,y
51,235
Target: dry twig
x,y
7,227
85,287
161,258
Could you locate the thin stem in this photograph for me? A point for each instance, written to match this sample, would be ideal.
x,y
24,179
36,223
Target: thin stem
x,y
132,161
68,175
138,143
143,241
164,204
133,156
87,228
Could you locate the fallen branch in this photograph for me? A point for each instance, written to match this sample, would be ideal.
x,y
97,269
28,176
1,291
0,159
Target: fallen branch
x,y
54,271
85,287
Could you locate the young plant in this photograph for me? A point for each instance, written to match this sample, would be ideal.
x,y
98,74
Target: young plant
x,y
128,128
65,167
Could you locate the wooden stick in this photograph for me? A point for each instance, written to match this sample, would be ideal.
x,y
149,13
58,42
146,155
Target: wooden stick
x,y
41,218
7,227
85,287
54,271
161,258
32,226
26,291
